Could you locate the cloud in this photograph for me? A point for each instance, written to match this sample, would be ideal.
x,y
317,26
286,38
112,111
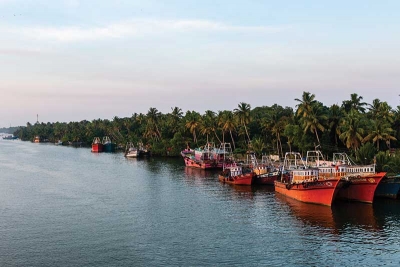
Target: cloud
x,y
136,27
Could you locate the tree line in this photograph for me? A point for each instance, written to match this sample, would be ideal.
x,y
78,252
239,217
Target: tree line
x,y
366,131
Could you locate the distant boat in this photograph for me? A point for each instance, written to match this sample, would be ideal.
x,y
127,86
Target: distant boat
x,y
97,145
37,139
10,137
131,151
108,146
58,143
201,158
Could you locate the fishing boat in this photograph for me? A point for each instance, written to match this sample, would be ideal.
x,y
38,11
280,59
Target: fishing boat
x,y
389,187
222,155
361,180
265,173
200,157
304,183
10,137
108,146
58,143
236,175
97,145
143,151
131,151
37,139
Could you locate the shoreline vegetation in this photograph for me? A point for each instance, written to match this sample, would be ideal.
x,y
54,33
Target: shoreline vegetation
x,y
369,132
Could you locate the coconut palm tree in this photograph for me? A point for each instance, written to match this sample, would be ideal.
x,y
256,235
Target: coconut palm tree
x,y
192,121
354,104
153,116
243,115
227,123
314,120
305,104
352,130
335,116
380,131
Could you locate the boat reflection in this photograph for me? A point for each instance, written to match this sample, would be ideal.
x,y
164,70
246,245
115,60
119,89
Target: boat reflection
x,y
309,214
337,218
249,192
360,215
197,173
387,210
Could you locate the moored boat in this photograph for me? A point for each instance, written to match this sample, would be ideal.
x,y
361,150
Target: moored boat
x,y
131,151
108,146
10,137
265,173
361,180
304,184
236,175
97,145
389,187
200,157
37,139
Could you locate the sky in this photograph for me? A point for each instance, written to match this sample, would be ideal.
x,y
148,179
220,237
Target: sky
x,y
72,60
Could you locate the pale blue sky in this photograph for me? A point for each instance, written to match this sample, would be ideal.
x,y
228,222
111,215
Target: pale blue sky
x,y
73,60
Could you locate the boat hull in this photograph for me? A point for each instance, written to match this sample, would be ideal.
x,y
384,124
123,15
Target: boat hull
x,y
243,179
388,188
266,178
201,164
97,148
109,147
321,192
361,188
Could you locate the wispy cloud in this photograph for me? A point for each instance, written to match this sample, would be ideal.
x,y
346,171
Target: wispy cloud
x,y
137,27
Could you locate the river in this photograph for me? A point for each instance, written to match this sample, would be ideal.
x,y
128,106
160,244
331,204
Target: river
x,y
65,206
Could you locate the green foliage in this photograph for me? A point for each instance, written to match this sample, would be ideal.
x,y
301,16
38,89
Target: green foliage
x,y
383,162
366,153
272,129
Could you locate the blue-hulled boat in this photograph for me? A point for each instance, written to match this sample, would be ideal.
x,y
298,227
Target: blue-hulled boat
x,y
389,187
108,146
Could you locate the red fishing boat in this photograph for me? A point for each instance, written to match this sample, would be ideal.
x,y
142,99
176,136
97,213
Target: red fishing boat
x,y
265,173
236,175
97,145
361,180
200,157
304,184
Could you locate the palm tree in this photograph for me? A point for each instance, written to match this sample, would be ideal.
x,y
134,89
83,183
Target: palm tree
x,y
175,117
379,131
243,115
192,123
227,123
354,104
209,124
313,121
276,125
153,116
352,130
334,119
305,104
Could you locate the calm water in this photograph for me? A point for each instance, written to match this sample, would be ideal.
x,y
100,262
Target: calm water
x,y
63,206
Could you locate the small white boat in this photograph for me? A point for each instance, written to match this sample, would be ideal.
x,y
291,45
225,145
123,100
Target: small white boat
x,y
58,143
131,151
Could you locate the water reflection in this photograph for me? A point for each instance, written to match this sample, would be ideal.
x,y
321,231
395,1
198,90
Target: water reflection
x,y
309,214
339,217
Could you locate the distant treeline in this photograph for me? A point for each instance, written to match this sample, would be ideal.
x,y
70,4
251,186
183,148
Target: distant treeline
x,y
363,130
9,130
